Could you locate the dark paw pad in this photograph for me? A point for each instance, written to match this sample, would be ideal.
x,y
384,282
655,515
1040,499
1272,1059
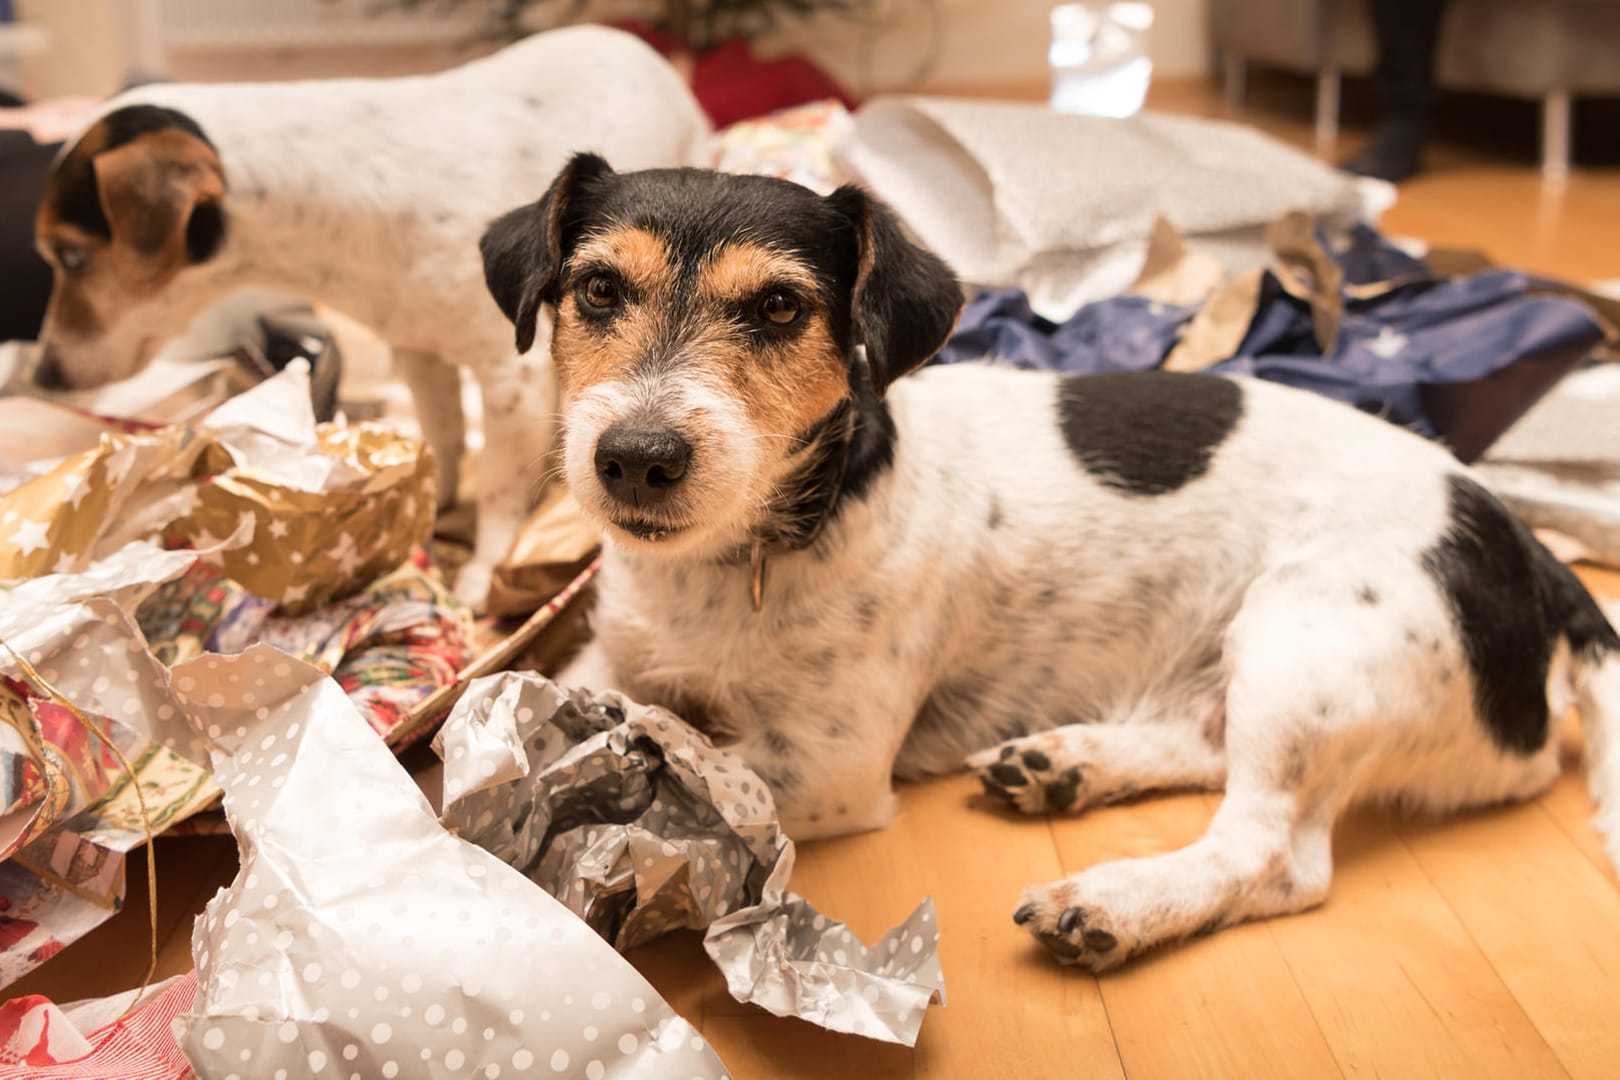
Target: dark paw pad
x,y
1025,914
1061,793
1008,776
1058,945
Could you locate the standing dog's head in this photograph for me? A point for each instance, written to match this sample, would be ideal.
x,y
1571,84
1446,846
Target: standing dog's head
x,y
134,203
706,332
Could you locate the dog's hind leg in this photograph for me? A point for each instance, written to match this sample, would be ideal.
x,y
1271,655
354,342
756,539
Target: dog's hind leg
x,y
436,389
1079,765
1327,701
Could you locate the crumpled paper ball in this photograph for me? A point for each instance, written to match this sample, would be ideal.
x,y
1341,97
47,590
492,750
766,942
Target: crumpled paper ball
x,y
638,823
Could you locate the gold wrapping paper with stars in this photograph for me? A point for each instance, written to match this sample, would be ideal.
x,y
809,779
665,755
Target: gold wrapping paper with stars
x,y
333,506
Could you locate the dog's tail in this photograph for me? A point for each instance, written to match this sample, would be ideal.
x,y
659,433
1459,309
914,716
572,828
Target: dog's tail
x,y
1595,674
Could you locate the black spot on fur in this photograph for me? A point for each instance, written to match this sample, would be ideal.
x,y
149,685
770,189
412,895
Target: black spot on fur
x,y
1147,433
780,777
823,661
1367,595
995,518
1046,597
1292,773
1511,601
777,743
866,611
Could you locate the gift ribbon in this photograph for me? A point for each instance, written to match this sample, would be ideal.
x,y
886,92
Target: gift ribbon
x,y
59,698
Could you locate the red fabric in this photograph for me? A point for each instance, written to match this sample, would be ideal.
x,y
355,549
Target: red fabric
x,y
38,1042
732,85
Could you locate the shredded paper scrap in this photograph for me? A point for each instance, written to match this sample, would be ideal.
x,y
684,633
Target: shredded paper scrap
x,y
640,825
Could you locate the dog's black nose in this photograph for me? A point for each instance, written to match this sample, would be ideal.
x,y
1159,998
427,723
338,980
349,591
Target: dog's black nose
x,y
48,372
641,466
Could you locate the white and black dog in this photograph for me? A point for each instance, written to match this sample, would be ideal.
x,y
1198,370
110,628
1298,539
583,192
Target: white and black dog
x,y
367,194
1086,587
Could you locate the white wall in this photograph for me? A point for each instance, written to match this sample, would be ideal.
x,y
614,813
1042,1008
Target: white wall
x,y
985,45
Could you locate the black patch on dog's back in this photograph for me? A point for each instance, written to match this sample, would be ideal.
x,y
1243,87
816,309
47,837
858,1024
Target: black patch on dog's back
x,y
1147,433
1512,601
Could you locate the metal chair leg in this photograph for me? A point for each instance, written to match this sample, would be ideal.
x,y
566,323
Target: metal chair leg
x,y
1234,78
1557,129
1327,110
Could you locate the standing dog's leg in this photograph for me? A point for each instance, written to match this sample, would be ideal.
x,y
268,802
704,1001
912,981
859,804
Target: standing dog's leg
x,y
1329,699
436,389
520,418
1079,765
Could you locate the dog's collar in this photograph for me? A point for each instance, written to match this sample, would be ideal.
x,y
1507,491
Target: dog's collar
x,y
805,516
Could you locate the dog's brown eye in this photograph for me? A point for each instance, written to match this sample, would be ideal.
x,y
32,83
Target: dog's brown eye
x,y
779,308
71,258
601,291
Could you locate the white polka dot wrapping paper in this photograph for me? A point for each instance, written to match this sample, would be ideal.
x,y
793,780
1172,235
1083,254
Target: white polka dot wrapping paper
x,y
360,939
639,824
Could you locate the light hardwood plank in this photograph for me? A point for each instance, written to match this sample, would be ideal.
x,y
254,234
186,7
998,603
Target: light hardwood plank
x,y
1011,1012
1225,1005
760,1047
1394,980
1545,917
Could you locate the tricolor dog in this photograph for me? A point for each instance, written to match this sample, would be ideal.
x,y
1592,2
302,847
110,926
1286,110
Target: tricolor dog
x,y
1086,588
366,194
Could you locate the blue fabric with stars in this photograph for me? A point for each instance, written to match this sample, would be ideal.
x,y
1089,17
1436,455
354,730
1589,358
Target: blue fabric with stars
x,y
1426,330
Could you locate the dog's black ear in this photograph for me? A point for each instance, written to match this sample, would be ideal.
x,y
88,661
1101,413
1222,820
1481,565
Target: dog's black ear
x,y
524,249
905,301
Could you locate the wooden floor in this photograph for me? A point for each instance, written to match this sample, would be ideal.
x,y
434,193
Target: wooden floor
x,y
1482,946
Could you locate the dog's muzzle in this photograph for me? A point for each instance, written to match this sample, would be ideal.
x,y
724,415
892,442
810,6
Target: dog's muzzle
x,y
641,467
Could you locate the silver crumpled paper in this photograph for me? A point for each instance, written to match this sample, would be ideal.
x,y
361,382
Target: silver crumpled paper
x,y
361,939
641,825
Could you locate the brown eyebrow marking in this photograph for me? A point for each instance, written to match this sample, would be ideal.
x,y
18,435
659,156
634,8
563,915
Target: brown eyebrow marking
x,y
738,271
640,257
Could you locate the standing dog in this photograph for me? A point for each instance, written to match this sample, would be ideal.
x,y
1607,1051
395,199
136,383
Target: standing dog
x,y
366,194
1128,582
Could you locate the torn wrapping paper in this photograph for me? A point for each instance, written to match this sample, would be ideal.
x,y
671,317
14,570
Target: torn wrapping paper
x,y
553,546
70,813
335,505
641,825
387,947
93,1040
1559,467
1077,228
390,646
800,144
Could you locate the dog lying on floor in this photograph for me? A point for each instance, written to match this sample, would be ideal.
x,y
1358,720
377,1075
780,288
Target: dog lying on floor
x,y
366,194
1128,582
